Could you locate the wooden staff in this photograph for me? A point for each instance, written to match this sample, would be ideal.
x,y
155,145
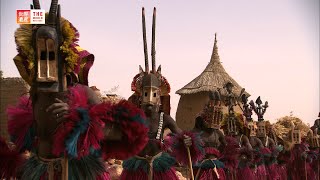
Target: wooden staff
x,y
198,173
318,175
190,163
305,169
66,168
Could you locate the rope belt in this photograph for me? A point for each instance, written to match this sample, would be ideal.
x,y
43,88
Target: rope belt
x,y
54,164
150,160
214,169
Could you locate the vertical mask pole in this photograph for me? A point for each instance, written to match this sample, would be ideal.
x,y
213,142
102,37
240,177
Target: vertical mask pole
x,y
153,50
146,63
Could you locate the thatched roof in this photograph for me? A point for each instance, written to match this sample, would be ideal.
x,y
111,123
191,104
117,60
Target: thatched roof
x,y
113,98
214,77
283,126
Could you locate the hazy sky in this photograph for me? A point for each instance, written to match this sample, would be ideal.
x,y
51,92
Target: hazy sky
x,y
269,47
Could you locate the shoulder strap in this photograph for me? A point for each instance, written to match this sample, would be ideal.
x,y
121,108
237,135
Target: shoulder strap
x,y
159,132
240,140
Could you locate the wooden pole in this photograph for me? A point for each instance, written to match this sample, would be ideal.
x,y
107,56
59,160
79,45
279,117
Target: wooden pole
x,y
317,169
66,168
318,175
190,163
305,168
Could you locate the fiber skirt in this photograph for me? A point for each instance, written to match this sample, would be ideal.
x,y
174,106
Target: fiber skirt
x,y
209,174
138,169
89,167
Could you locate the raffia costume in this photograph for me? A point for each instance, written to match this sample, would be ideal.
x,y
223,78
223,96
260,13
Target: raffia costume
x,y
208,124
151,93
238,152
53,64
299,165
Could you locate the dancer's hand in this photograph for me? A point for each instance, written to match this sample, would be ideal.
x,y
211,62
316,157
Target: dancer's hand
x,y
187,141
58,110
112,131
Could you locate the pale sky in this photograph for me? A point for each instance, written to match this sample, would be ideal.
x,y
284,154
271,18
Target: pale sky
x,y
270,47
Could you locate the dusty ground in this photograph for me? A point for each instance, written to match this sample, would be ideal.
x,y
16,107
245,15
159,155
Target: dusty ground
x,y
115,168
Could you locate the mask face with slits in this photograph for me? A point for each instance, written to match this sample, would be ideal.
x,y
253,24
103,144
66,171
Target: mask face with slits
x,y
317,125
150,93
50,73
212,116
46,49
149,84
314,141
296,136
253,129
261,131
232,126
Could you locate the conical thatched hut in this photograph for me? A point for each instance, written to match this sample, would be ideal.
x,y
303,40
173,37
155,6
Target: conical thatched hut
x,y
194,95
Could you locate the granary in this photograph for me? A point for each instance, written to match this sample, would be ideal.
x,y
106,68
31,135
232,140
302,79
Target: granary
x,y
11,88
194,95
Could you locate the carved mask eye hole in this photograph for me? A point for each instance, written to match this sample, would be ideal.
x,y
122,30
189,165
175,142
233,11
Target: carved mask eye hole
x,y
154,94
145,94
51,55
43,55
